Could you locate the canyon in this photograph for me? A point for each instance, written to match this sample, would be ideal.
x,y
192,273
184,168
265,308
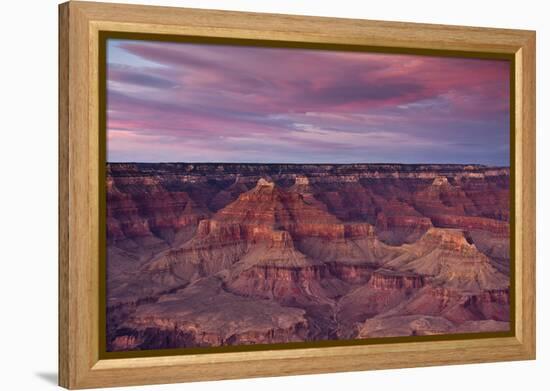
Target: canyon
x,y
217,254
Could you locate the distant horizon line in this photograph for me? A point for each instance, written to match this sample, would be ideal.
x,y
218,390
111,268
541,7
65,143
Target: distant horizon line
x,y
315,164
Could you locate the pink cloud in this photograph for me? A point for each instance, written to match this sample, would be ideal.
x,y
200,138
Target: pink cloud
x,y
196,93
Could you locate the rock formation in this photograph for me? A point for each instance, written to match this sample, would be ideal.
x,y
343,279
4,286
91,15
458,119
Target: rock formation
x,y
230,254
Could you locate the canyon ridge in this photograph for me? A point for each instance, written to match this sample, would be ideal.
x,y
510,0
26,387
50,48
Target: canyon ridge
x,y
208,254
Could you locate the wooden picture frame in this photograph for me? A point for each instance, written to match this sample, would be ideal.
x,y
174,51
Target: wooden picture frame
x,y
81,163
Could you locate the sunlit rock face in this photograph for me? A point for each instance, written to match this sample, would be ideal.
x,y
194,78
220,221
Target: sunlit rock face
x,y
232,254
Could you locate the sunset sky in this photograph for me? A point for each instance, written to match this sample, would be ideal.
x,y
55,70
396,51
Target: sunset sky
x,y
180,102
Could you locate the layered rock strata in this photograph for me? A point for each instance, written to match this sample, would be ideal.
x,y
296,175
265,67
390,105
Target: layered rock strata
x,y
232,254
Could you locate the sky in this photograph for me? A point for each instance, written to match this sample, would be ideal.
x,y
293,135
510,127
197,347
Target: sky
x,y
182,102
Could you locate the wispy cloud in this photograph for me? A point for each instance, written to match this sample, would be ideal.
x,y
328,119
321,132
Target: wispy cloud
x,y
188,102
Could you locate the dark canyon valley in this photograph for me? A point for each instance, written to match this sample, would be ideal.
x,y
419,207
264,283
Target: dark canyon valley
x,y
213,254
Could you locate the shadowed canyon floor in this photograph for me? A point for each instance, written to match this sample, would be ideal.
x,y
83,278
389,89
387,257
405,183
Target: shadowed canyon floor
x,y
236,254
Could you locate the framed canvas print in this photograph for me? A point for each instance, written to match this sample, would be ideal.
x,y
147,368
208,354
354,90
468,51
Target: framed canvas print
x,y
251,195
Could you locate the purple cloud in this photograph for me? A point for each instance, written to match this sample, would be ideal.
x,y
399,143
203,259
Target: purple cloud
x,y
189,102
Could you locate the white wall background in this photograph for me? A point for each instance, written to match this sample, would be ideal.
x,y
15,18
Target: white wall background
x,y
28,194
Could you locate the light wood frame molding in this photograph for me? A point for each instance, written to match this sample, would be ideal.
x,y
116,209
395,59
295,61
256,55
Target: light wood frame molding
x,y
80,365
